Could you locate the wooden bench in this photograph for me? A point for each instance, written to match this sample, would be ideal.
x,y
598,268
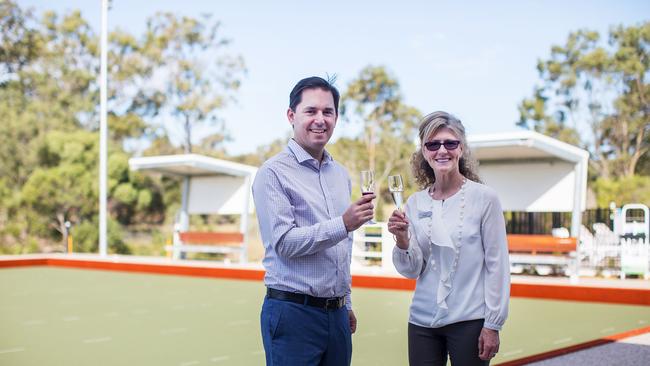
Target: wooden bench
x,y
209,242
544,253
541,244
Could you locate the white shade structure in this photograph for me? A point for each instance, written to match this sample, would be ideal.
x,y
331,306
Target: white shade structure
x,y
211,186
533,172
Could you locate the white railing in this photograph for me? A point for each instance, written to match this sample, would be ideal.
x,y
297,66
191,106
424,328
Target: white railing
x,y
606,253
601,253
372,246
634,258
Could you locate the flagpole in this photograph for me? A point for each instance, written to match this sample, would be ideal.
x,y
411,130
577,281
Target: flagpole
x,y
103,133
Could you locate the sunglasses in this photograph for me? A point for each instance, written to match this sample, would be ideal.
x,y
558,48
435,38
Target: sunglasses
x,y
448,144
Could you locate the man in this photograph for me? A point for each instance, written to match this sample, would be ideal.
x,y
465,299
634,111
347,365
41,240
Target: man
x,y
302,198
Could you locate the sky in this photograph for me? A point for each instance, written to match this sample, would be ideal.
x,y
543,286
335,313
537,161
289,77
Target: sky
x,y
475,59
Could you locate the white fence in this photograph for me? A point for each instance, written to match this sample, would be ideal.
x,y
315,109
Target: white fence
x,y
634,258
602,253
372,247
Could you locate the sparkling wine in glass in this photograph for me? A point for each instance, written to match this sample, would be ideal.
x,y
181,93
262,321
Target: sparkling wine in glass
x,y
396,187
368,185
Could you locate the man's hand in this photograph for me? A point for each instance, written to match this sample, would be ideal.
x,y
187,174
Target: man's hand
x,y
359,212
353,321
398,225
488,344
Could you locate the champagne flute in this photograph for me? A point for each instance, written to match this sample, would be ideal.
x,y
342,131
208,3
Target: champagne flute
x,y
368,185
396,187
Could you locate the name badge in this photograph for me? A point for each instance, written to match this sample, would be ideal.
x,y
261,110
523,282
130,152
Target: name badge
x,y
423,214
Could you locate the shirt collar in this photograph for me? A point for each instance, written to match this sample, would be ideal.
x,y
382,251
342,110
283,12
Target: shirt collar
x,y
302,155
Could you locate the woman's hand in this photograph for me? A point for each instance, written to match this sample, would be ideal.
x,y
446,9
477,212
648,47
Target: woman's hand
x,y
488,344
398,225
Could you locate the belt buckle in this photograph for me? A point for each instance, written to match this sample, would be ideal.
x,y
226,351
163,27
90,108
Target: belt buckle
x,y
333,303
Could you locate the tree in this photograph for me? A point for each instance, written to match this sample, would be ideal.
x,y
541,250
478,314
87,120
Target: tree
x,y
49,112
643,168
19,43
180,67
45,86
32,101
264,152
353,153
634,189
63,188
374,100
602,85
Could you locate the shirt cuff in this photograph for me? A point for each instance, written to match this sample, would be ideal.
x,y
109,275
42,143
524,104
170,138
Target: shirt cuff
x,y
336,230
401,251
492,326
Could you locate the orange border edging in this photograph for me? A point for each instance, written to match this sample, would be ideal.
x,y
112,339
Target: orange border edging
x,y
532,290
575,348
241,274
630,296
391,283
23,262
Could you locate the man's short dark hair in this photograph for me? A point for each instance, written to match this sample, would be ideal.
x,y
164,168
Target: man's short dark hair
x,y
313,82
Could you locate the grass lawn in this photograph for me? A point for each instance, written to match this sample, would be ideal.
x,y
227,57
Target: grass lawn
x,y
56,316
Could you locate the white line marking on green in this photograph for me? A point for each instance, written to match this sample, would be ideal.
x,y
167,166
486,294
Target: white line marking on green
x,y
512,353
17,294
97,340
34,322
607,330
12,350
239,322
563,340
173,331
369,334
189,363
220,358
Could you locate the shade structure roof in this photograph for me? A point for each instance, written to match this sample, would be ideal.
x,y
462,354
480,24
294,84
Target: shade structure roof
x,y
212,186
532,172
192,165
521,145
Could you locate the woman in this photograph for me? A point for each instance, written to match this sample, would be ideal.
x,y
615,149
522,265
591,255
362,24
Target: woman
x,y
451,237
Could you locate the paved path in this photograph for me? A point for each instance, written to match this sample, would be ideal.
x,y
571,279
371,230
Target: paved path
x,y
632,351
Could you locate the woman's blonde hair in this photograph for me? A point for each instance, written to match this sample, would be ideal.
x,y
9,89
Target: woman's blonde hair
x,y
430,125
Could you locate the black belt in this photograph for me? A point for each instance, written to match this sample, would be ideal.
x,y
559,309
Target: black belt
x,y
331,303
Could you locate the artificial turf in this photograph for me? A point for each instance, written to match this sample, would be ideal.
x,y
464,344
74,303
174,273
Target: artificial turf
x,y
56,316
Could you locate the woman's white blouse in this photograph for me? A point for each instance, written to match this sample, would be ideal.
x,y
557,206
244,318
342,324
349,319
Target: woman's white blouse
x,y
457,281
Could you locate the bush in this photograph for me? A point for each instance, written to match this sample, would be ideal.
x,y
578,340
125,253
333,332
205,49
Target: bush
x,y
86,238
634,189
